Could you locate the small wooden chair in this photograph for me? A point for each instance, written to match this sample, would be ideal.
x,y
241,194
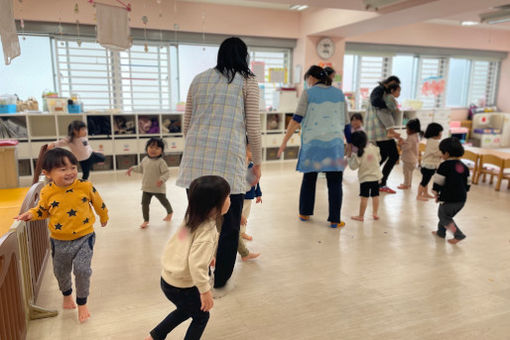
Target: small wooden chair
x,y
421,150
506,175
495,169
473,159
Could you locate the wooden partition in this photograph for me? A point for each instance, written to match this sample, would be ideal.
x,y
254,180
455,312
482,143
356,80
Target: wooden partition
x,y
13,324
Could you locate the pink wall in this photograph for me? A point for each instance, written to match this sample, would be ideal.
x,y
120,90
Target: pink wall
x,y
191,17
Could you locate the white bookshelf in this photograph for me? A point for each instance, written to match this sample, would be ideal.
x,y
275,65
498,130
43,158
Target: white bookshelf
x,y
124,150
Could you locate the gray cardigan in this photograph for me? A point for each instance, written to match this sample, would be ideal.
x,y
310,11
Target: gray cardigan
x,y
153,169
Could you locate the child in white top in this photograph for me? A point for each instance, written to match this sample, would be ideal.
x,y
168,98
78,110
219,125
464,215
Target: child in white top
x,y
430,160
155,174
410,152
366,158
77,141
188,255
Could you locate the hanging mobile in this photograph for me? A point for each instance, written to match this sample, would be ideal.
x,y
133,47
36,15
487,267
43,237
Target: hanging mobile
x,y
145,20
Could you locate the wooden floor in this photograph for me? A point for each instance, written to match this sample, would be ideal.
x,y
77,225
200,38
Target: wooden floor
x,y
389,279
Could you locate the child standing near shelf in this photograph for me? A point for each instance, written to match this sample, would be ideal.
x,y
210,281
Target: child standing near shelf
x,y
67,202
451,184
155,173
77,141
366,158
430,160
188,255
410,152
253,193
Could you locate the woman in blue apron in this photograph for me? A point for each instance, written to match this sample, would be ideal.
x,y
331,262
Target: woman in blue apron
x,y
324,120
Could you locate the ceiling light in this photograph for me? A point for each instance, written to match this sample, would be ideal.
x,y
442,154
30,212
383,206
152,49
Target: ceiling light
x,y
376,4
469,23
495,17
298,7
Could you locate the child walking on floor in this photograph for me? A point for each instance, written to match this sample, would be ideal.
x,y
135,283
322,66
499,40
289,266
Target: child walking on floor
x,y
155,174
253,193
77,141
67,202
430,160
451,184
366,158
187,256
410,152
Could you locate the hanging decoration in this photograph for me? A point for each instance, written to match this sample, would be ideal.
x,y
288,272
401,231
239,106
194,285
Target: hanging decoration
x,y
21,20
112,26
127,6
203,30
433,86
145,20
76,12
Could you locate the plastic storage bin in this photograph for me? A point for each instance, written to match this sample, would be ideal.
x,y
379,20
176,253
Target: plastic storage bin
x,y
8,108
75,108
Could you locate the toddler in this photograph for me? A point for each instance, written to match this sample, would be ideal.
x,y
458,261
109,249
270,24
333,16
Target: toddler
x,y
366,158
451,184
253,193
155,174
187,256
410,152
430,160
356,122
67,202
77,141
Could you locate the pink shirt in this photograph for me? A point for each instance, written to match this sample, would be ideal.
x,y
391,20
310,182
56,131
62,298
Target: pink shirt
x,y
410,149
80,147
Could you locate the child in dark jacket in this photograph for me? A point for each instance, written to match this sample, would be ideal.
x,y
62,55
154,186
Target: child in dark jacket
x,y
451,184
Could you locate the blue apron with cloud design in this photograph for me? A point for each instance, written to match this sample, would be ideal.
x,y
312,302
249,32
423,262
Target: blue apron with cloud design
x,y
322,131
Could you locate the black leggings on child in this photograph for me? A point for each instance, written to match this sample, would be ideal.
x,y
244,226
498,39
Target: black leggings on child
x,y
87,164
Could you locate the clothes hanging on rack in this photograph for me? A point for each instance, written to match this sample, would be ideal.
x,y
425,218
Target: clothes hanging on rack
x,y
113,27
10,42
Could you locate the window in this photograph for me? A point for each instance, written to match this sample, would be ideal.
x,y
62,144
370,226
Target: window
x,y
405,68
85,70
458,82
369,71
482,89
431,80
272,58
31,73
349,73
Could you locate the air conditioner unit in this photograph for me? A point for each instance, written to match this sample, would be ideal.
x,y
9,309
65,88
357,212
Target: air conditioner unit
x,y
497,17
376,4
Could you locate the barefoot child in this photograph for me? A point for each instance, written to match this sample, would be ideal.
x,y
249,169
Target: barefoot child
x,y
77,141
410,152
187,256
155,174
366,158
451,184
430,160
253,193
67,202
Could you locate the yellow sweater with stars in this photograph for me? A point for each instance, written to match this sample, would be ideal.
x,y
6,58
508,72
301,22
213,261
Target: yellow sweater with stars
x,y
69,209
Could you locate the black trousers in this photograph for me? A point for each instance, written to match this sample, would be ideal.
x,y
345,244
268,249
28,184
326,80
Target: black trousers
x,y
228,241
446,213
187,301
307,194
389,154
87,164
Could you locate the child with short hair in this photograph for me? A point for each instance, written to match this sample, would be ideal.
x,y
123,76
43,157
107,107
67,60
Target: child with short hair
x,y
356,122
155,173
253,193
410,152
67,202
366,158
77,141
451,184
188,255
430,160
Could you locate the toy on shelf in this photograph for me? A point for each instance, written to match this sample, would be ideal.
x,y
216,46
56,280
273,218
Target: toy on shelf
x,y
171,125
7,103
147,125
487,129
123,126
273,121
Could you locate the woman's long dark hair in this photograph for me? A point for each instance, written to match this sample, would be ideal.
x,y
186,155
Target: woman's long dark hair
x,y
205,194
233,58
74,125
318,73
359,139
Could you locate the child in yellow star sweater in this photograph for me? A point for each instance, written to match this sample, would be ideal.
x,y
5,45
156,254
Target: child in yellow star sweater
x,y
67,202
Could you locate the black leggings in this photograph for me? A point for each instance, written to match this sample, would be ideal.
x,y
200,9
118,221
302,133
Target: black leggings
x,y
87,164
388,149
426,176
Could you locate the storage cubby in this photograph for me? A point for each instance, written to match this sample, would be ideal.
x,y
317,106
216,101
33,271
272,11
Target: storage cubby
x,y
63,122
171,124
124,125
105,166
124,162
148,125
274,122
13,127
291,152
99,125
271,154
24,167
173,159
42,126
